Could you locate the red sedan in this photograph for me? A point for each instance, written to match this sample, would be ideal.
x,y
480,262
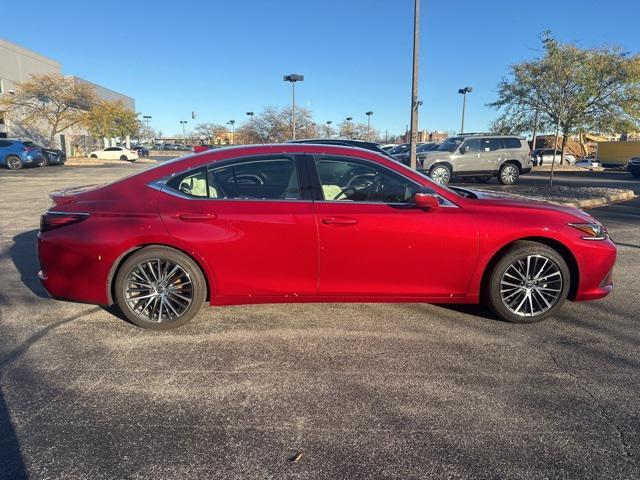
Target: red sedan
x,y
312,223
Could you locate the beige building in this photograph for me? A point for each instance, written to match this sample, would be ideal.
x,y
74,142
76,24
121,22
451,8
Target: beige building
x,y
18,64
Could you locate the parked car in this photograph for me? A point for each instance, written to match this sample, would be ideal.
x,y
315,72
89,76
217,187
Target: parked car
x,y
403,147
15,154
141,150
347,142
312,223
482,156
115,153
589,163
544,156
421,149
634,167
53,156
388,146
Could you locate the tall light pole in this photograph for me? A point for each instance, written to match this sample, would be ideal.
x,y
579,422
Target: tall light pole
x,y
293,78
146,120
184,124
233,130
414,85
348,119
368,114
329,122
250,115
463,92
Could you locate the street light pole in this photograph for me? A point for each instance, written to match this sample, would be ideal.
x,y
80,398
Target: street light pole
x,y
329,122
350,126
368,114
233,130
463,92
184,135
293,78
414,85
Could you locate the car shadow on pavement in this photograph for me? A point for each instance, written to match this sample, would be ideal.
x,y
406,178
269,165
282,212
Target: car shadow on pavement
x,y
25,258
11,461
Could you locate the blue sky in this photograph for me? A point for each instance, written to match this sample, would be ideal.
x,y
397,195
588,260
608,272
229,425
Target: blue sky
x,y
224,58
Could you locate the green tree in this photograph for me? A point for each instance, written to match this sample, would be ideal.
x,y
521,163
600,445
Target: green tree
x,y
572,89
110,119
52,101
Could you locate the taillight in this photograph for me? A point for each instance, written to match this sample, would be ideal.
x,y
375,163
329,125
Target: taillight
x,y
51,220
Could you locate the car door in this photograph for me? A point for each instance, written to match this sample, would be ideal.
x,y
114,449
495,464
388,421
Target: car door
x,y
491,153
374,242
248,220
469,159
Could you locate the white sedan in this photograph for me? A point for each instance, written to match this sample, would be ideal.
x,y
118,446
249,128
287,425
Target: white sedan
x,y
545,157
115,153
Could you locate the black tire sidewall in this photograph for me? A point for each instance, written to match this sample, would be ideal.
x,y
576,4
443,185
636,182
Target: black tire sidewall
x,y
149,253
491,293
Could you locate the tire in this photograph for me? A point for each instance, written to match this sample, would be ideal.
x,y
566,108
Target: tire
x,y
123,157
541,299
440,173
508,174
147,267
42,162
13,162
93,155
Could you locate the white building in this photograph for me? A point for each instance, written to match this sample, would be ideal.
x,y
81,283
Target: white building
x,y
18,64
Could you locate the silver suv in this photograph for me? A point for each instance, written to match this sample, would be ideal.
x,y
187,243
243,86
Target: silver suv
x,y
482,156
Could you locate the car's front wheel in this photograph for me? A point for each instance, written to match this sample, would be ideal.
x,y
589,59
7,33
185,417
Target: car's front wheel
x,y
528,284
440,174
159,288
42,162
508,174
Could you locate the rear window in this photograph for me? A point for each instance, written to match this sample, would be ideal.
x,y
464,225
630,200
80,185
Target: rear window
x,y
512,143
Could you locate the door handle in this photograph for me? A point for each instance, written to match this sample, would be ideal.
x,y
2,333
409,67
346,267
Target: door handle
x,y
339,221
197,217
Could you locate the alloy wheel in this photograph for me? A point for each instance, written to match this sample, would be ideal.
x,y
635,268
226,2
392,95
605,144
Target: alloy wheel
x,y
14,163
159,290
531,285
509,174
440,175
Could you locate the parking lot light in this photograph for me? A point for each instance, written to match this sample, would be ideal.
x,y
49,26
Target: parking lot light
x,y
293,78
463,92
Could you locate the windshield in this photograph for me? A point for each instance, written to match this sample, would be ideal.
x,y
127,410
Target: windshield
x,y
450,144
398,149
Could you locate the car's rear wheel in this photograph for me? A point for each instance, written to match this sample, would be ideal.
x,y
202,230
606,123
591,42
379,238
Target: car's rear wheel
x,y
159,288
42,162
440,174
508,174
93,155
13,162
528,284
123,157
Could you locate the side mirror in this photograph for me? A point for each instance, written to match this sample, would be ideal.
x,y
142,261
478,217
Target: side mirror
x,y
465,149
427,201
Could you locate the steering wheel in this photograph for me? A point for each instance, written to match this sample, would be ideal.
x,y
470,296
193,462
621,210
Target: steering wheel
x,y
359,183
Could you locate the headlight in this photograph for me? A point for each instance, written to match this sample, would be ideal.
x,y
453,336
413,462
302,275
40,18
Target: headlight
x,y
594,231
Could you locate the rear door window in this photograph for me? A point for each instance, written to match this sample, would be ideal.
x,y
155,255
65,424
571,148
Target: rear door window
x,y
511,143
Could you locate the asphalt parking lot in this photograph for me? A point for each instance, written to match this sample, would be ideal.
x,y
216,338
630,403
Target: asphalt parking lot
x,y
361,391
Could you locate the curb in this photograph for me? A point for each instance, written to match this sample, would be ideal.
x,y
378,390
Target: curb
x,y
97,162
601,201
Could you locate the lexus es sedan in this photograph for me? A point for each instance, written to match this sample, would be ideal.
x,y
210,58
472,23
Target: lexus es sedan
x,y
312,223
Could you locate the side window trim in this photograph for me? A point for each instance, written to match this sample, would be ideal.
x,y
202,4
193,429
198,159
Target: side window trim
x,y
300,166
